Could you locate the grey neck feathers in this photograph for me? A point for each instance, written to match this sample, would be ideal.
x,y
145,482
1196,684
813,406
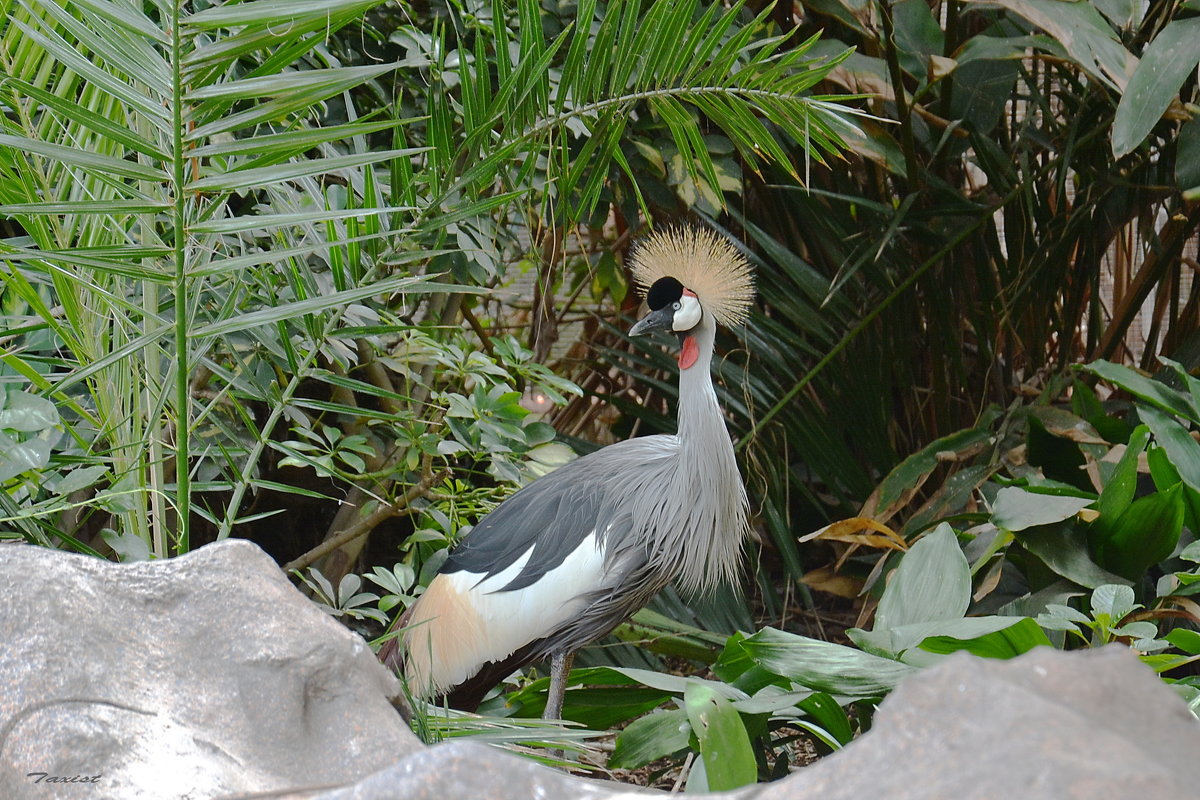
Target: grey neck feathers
x,y
708,476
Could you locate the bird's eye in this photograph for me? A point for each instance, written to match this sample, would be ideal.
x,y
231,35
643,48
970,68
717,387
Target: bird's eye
x,y
677,305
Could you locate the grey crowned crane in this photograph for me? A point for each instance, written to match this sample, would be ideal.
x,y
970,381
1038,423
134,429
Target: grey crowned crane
x,y
572,555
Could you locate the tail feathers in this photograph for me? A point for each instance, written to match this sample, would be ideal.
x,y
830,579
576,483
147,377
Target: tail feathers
x,y
441,640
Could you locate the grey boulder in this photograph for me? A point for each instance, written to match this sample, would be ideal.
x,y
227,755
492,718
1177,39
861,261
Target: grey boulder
x,y
1094,724
202,676
210,676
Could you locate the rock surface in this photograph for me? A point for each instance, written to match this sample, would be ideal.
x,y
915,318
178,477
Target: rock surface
x,y
1046,726
198,677
1049,725
210,676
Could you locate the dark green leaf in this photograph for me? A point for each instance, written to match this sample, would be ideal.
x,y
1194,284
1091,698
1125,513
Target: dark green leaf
x,y
1154,392
895,642
1166,63
1187,162
910,474
1063,548
1018,638
1183,450
1142,536
651,737
1118,492
825,666
724,745
832,717
1185,639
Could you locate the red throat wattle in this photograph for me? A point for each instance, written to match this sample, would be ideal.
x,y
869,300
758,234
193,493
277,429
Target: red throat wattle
x,y
688,353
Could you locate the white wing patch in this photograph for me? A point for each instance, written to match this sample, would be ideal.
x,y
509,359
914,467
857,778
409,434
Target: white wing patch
x,y
464,621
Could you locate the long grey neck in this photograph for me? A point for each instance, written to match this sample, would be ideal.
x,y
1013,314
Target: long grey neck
x,y
708,470
700,417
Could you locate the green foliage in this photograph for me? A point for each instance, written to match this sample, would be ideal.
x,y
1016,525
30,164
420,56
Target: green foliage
x,y
1042,547
218,281
243,266
965,249
347,600
726,758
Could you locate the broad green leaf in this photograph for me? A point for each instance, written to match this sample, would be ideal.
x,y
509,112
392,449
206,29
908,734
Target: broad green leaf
x,y
1145,534
918,35
651,737
1016,509
28,413
832,717
1154,392
1187,161
676,684
982,47
1165,476
896,641
605,698
1058,456
825,666
724,744
932,582
1166,63
20,456
1123,14
128,546
1085,35
910,474
1063,548
1115,600
1182,449
1118,492
1008,642
1185,639
772,700
80,478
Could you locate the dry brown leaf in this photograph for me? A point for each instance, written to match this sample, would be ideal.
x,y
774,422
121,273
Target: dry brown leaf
x,y
824,579
851,531
1066,425
990,581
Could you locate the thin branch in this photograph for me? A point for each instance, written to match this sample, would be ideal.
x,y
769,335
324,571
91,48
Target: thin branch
x,y
366,524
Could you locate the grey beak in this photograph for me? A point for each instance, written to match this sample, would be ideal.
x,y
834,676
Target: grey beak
x,y
654,321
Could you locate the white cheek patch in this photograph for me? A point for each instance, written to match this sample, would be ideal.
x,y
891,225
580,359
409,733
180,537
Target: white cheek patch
x,y
689,313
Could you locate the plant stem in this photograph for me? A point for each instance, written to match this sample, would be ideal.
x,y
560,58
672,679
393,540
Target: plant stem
x,y
365,525
183,491
911,175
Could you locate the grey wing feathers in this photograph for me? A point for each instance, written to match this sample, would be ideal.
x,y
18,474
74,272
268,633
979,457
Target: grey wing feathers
x,y
552,515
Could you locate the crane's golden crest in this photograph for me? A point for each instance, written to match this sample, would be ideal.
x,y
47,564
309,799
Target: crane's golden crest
x,y
702,261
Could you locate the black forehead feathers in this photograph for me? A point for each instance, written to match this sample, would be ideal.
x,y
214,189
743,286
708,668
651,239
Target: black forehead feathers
x,y
664,292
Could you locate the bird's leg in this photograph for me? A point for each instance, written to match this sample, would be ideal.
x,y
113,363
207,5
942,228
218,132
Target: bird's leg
x,y
560,668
